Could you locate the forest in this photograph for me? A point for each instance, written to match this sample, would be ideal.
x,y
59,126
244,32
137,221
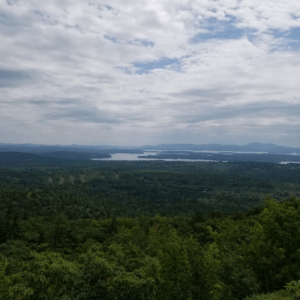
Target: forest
x,y
149,230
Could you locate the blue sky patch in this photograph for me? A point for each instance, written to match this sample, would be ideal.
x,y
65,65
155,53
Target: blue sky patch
x,y
111,38
221,30
163,63
138,42
292,37
144,43
293,33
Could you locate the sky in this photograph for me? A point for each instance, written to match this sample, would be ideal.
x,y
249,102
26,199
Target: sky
x,y
150,71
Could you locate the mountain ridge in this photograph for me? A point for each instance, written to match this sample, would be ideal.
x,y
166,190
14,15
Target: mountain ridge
x,y
251,147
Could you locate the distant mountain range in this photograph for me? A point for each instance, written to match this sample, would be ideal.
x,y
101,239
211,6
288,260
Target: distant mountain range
x,y
56,150
253,147
68,151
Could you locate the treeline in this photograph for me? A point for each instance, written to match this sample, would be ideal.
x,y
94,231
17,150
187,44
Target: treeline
x,y
57,158
211,257
127,189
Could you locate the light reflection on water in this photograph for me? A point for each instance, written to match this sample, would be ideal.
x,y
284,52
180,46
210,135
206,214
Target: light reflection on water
x,y
135,157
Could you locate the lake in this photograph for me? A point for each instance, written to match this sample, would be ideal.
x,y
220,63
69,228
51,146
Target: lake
x,y
134,157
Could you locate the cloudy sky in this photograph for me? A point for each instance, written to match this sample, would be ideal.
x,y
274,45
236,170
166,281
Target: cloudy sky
x,y
150,71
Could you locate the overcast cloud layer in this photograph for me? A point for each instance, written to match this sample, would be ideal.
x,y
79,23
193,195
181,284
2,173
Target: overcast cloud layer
x,y
145,72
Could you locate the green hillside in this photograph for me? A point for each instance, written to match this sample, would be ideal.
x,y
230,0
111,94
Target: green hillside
x,y
149,230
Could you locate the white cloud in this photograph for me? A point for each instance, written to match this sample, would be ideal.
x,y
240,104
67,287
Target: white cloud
x,y
72,71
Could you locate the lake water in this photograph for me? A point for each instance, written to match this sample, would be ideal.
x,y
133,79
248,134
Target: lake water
x,y
135,157
213,151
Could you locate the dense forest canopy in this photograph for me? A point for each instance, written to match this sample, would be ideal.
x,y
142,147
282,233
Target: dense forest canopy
x,y
149,230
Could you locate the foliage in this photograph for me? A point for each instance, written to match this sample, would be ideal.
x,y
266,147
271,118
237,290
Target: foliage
x,y
148,231
47,276
273,250
271,296
294,288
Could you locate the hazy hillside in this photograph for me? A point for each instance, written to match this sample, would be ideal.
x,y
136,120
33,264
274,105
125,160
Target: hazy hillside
x,y
15,158
253,147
